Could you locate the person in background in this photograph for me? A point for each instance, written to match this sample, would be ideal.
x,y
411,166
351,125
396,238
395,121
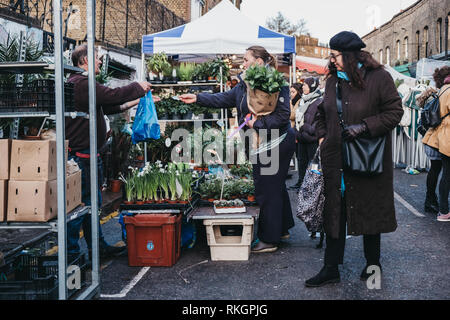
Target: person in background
x,y
295,94
355,204
275,217
305,130
431,200
109,101
439,139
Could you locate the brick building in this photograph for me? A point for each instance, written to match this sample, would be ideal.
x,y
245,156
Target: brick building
x,y
414,33
120,23
310,47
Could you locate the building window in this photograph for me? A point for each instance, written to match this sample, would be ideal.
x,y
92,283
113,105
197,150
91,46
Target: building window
x,y
316,50
399,51
388,55
419,44
439,35
381,56
425,39
405,43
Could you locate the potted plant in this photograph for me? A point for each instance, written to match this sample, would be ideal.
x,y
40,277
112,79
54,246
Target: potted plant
x,y
162,109
200,73
129,187
214,70
264,87
215,113
173,110
156,64
120,148
184,111
185,72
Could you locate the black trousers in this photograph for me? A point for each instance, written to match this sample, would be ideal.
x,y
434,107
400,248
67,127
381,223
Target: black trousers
x,y
334,251
432,179
444,185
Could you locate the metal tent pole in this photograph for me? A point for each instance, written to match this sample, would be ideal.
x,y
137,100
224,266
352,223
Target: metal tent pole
x,y
90,22
60,150
142,78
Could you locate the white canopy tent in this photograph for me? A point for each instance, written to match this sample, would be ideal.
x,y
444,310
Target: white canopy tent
x,y
222,30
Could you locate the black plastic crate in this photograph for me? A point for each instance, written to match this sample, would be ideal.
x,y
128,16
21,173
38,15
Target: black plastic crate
x,y
45,95
37,96
35,277
17,98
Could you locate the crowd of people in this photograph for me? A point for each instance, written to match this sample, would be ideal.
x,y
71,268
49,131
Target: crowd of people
x,y
308,118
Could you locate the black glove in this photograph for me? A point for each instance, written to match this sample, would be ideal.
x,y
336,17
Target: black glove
x,y
354,131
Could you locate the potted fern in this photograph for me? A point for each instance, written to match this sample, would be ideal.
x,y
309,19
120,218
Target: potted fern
x,y
185,72
156,64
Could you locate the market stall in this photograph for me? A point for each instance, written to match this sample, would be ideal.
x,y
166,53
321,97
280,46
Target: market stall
x,y
222,32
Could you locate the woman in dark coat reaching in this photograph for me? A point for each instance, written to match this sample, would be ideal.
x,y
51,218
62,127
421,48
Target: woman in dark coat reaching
x,y
275,217
355,204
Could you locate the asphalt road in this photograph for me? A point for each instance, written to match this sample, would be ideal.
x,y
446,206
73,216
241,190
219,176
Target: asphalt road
x,y
415,261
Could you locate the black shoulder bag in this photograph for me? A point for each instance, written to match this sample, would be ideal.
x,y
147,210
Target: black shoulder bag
x,y
363,156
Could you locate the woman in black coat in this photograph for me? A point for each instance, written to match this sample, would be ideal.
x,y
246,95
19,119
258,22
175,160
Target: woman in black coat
x,y
275,217
305,128
355,204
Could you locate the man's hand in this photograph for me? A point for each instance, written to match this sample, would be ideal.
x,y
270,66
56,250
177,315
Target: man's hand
x,y
156,99
354,131
145,85
129,105
188,98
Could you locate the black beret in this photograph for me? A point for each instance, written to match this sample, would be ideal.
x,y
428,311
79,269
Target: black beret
x,y
346,41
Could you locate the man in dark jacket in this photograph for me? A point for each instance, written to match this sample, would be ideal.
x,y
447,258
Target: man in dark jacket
x,y
109,101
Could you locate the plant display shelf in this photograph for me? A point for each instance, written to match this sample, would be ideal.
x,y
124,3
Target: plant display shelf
x,y
193,84
41,114
31,67
52,225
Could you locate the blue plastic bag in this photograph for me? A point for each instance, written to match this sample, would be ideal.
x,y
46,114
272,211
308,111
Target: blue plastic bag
x,y
145,124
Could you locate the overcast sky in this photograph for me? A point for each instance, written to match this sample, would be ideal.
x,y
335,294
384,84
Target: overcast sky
x,y
325,18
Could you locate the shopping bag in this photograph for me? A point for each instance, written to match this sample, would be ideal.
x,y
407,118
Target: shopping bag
x,y
145,124
311,197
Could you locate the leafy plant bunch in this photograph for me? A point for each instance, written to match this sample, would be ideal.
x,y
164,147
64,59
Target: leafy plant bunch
x,y
158,63
214,69
266,79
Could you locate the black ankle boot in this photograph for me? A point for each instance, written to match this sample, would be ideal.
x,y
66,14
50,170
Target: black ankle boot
x,y
365,275
328,274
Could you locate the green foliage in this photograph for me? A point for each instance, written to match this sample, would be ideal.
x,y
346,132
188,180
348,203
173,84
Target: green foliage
x,y
201,72
120,147
214,69
265,79
9,51
158,63
185,71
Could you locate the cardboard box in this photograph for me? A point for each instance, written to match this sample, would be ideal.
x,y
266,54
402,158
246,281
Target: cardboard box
x,y
3,198
37,201
5,158
34,160
73,191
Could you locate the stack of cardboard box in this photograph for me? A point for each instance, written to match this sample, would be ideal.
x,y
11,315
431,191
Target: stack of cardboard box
x,y
32,186
5,150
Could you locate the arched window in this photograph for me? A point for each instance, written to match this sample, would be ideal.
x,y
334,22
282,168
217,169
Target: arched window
x,y
426,42
388,56
405,44
439,35
399,51
381,56
418,44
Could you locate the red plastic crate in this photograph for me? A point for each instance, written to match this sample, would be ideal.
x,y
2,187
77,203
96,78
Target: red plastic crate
x,y
153,239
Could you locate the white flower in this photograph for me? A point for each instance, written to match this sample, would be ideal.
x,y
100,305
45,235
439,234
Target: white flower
x,y
162,170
